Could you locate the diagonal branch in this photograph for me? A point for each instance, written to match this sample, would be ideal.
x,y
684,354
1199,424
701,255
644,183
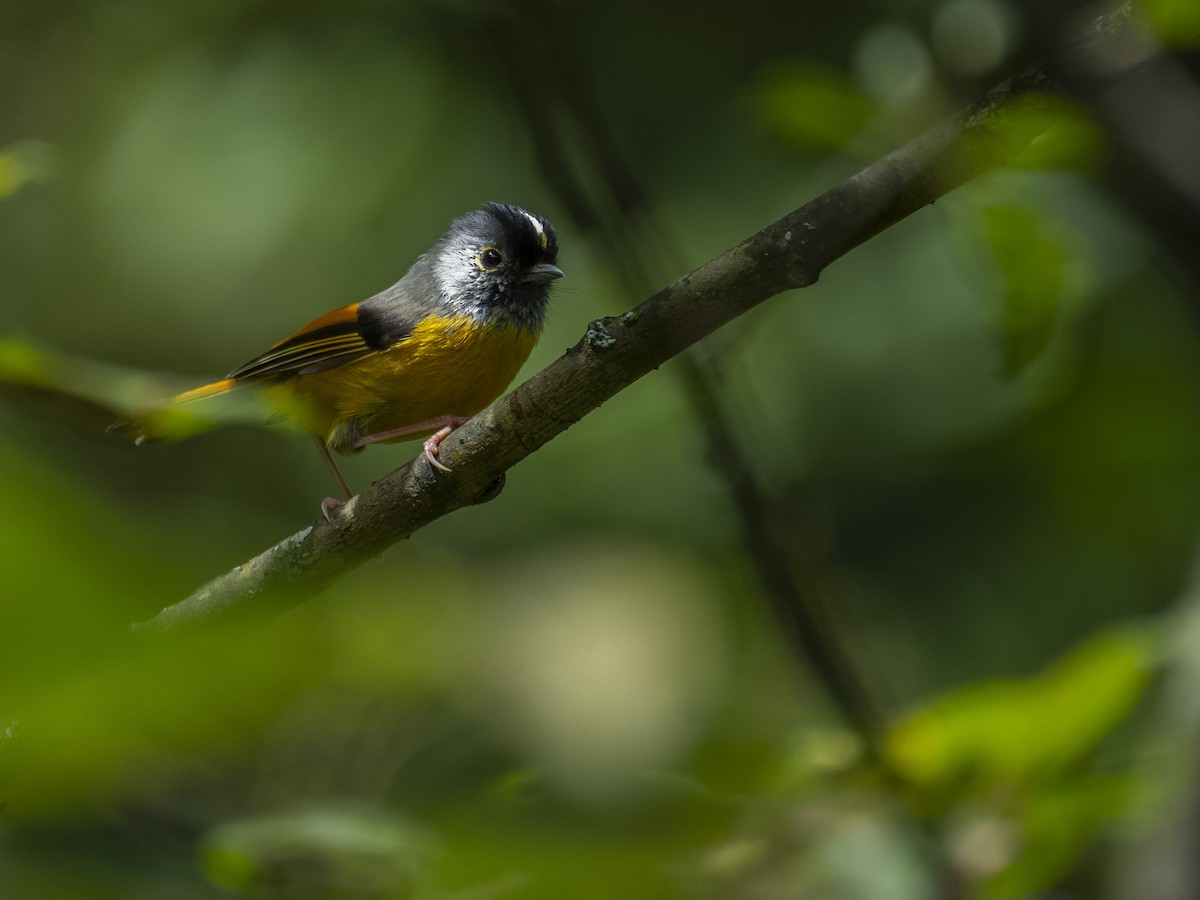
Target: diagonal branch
x,y
616,351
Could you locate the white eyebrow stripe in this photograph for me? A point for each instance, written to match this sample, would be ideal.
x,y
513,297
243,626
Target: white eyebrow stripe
x,y
537,226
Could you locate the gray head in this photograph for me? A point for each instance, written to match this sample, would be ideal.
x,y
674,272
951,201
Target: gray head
x,y
497,263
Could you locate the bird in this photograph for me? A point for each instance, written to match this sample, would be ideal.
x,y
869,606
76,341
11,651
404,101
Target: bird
x,y
421,357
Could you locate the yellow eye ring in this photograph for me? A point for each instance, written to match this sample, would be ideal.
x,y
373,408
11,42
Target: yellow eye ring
x,y
489,259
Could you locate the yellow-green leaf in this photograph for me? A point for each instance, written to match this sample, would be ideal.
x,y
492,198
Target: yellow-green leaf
x,y
1031,260
1176,22
811,106
1012,730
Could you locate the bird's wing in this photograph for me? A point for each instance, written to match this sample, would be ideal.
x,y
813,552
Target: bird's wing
x,y
333,340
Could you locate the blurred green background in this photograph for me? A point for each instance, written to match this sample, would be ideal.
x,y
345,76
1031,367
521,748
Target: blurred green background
x,y
976,440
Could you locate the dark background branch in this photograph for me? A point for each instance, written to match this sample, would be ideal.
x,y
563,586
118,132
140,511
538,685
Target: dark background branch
x,y
605,197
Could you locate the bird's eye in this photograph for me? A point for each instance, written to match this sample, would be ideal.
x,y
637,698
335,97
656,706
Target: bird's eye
x,y
489,259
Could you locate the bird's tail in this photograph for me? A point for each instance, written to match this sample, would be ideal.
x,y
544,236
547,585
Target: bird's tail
x,y
216,389
166,423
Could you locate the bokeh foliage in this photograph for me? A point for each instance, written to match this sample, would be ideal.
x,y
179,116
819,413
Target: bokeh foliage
x,y
978,434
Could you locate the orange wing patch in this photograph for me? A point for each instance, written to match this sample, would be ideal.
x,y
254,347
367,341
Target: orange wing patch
x,y
325,343
337,317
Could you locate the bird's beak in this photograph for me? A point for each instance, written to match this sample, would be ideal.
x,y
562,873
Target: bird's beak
x,y
541,273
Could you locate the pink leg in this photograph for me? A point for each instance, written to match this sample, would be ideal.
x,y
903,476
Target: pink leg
x,y
431,447
329,504
443,424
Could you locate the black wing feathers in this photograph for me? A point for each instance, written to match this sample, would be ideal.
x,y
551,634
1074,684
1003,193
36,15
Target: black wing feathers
x,y
307,352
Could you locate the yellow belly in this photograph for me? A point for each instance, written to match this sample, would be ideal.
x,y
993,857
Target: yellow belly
x,y
445,367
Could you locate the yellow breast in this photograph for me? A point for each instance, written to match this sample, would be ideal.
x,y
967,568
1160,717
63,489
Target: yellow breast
x,y
447,366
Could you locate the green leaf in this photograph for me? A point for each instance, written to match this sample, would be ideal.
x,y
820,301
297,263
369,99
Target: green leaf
x,y
1056,824
1176,22
124,391
29,369
1031,260
811,106
1063,136
1012,730
23,163
346,852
